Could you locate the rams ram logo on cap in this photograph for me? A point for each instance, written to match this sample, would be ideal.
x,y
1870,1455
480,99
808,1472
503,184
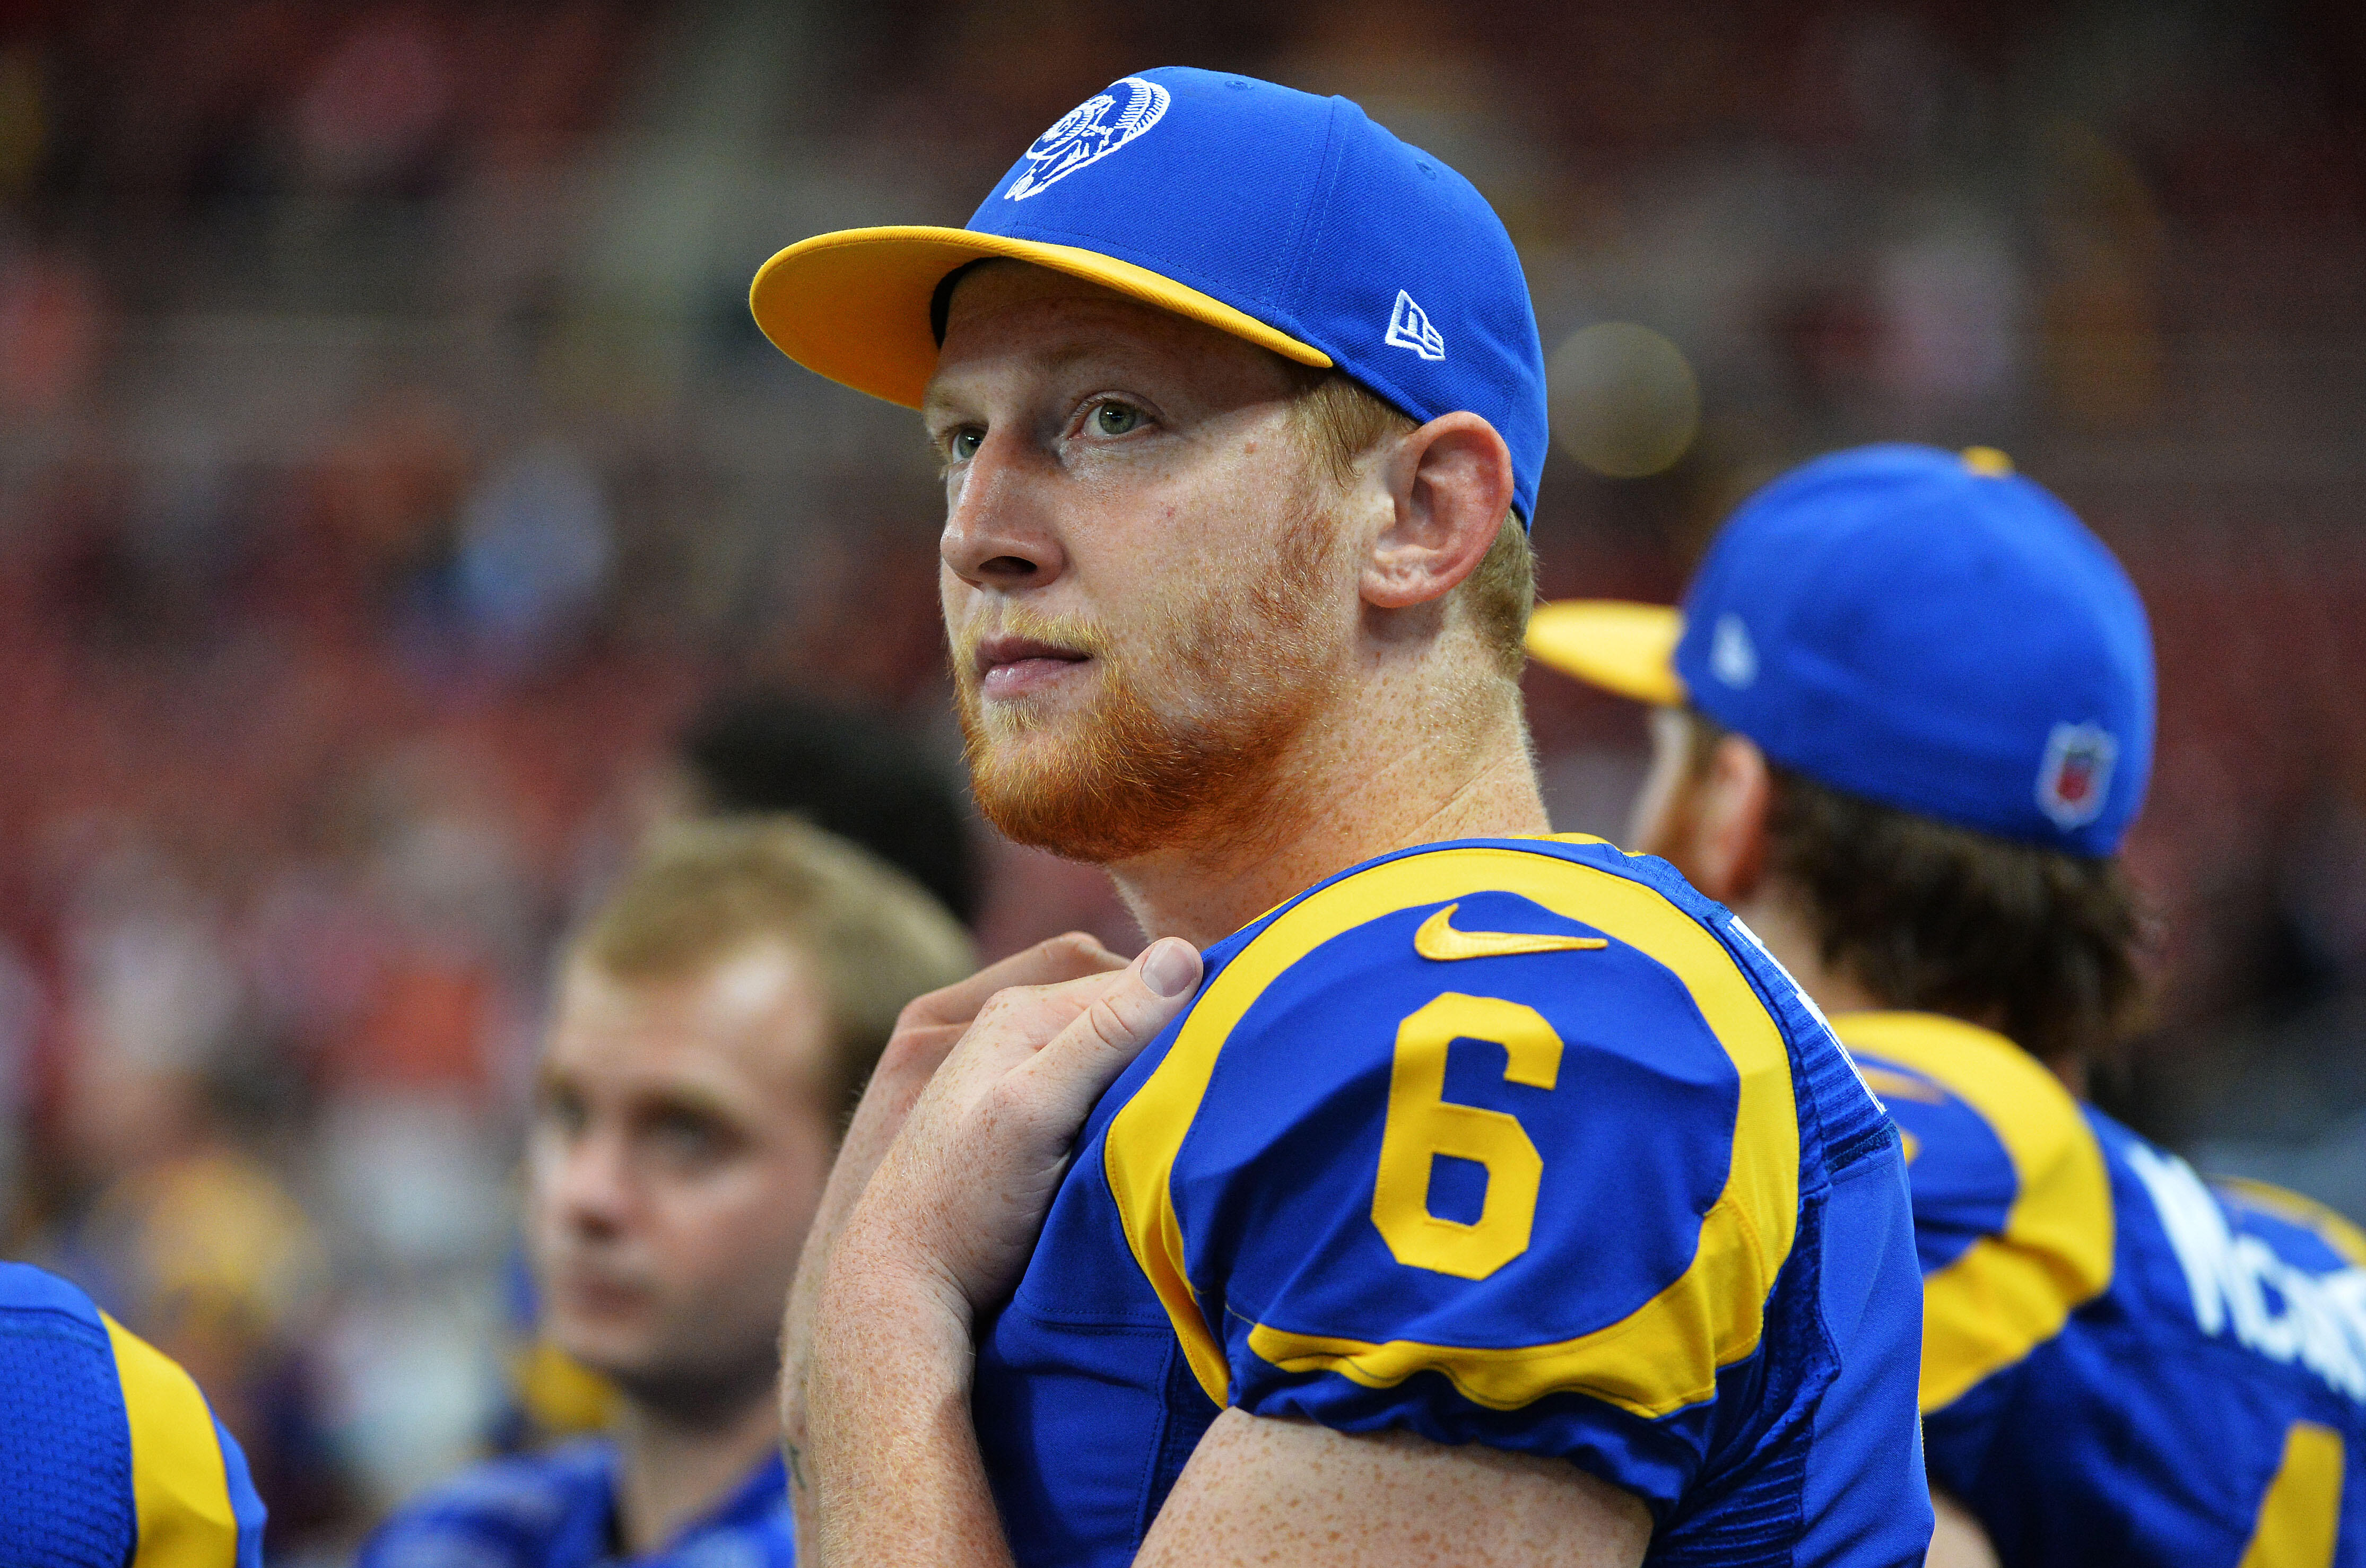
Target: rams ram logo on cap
x,y
1086,135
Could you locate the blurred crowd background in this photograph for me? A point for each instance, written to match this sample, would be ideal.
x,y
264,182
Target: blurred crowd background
x,y
392,484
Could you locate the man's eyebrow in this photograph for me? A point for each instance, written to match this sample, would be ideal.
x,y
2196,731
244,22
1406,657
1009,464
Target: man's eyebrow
x,y
686,1099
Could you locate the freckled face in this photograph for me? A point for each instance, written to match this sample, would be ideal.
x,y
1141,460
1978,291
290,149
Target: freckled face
x,y
1144,587
678,1145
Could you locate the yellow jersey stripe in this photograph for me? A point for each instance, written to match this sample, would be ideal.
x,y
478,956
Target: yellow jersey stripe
x,y
2300,1518
2336,1231
2010,1292
178,1485
1663,1355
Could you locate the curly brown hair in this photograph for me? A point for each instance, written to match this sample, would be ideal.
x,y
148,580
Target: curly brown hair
x,y
2039,946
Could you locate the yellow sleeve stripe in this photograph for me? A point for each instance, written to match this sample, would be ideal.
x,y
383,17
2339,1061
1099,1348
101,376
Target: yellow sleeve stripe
x,y
2336,1231
177,1481
1661,1357
2300,1518
2010,1292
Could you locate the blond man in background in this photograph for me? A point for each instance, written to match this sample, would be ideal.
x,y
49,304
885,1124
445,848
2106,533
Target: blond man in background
x,y
712,1021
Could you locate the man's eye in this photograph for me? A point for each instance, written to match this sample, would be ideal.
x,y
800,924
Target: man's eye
x,y
1117,419
965,443
563,1114
687,1140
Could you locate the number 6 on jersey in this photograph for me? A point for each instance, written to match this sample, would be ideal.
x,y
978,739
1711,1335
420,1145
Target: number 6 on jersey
x,y
1422,1123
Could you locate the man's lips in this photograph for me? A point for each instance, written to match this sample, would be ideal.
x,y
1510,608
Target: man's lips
x,y
597,1290
1016,666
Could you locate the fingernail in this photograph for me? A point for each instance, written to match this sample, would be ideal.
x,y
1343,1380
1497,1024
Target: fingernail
x,y
1170,967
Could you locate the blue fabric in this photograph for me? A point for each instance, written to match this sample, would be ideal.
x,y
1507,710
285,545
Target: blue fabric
x,y
65,1438
1871,1402
2147,1431
1299,211
1901,625
65,1445
245,1504
559,1510
1086,1409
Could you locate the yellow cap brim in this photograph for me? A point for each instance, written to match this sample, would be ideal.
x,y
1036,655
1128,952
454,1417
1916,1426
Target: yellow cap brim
x,y
1619,646
853,306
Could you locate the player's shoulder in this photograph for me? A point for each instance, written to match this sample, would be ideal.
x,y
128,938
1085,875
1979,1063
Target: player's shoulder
x,y
1530,921
2301,1230
1545,958
30,1294
2013,1218
93,1419
1504,1110
500,1513
63,1442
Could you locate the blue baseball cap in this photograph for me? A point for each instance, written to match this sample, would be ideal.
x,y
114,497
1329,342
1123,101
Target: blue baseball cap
x,y
1921,628
1288,220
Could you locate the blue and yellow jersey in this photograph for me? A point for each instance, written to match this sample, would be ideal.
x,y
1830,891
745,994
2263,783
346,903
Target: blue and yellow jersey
x,y
558,1509
2121,1363
1519,1143
109,1456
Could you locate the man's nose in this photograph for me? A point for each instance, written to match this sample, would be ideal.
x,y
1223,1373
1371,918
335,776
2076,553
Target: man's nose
x,y
590,1187
1000,528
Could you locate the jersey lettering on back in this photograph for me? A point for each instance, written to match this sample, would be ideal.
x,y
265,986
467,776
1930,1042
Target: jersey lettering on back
x,y
2121,1362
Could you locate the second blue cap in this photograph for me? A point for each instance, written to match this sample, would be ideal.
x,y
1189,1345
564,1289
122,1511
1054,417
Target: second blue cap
x,y
1925,629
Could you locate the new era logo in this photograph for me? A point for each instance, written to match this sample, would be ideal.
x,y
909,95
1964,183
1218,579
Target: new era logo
x,y
1409,328
1732,657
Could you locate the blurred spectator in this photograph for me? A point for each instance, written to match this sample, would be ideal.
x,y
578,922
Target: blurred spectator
x,y
51,319
376,101
714,1019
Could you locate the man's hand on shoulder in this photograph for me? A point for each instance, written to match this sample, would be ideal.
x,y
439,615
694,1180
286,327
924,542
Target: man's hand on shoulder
x,y
925,1035
1264,1490
943,1228
962,1193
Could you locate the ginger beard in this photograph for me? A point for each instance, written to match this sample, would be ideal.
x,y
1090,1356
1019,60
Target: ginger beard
x,y
1145,770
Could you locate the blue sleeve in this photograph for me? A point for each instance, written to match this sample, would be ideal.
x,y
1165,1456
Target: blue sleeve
x,y
1489,1145
113,1455
245,1505
2013,1221
522,1511
65,1449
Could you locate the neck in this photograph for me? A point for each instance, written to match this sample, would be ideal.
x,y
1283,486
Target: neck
x,y
1383,776
1789,934
672,1470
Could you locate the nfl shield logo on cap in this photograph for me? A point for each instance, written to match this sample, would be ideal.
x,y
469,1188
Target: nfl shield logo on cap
x,y
2075,779
1932,632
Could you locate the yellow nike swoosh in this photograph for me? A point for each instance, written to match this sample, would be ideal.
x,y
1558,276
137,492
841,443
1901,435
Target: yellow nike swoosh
x,y
1437,938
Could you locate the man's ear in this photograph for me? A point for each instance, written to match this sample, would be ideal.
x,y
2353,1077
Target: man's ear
x,y
1449,485
1728,826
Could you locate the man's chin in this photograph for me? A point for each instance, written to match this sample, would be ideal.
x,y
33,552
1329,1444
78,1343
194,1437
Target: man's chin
x,y
614,1351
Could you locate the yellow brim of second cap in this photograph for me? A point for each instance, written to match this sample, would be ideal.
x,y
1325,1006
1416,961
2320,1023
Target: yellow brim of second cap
x,y
1615,644
853,306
